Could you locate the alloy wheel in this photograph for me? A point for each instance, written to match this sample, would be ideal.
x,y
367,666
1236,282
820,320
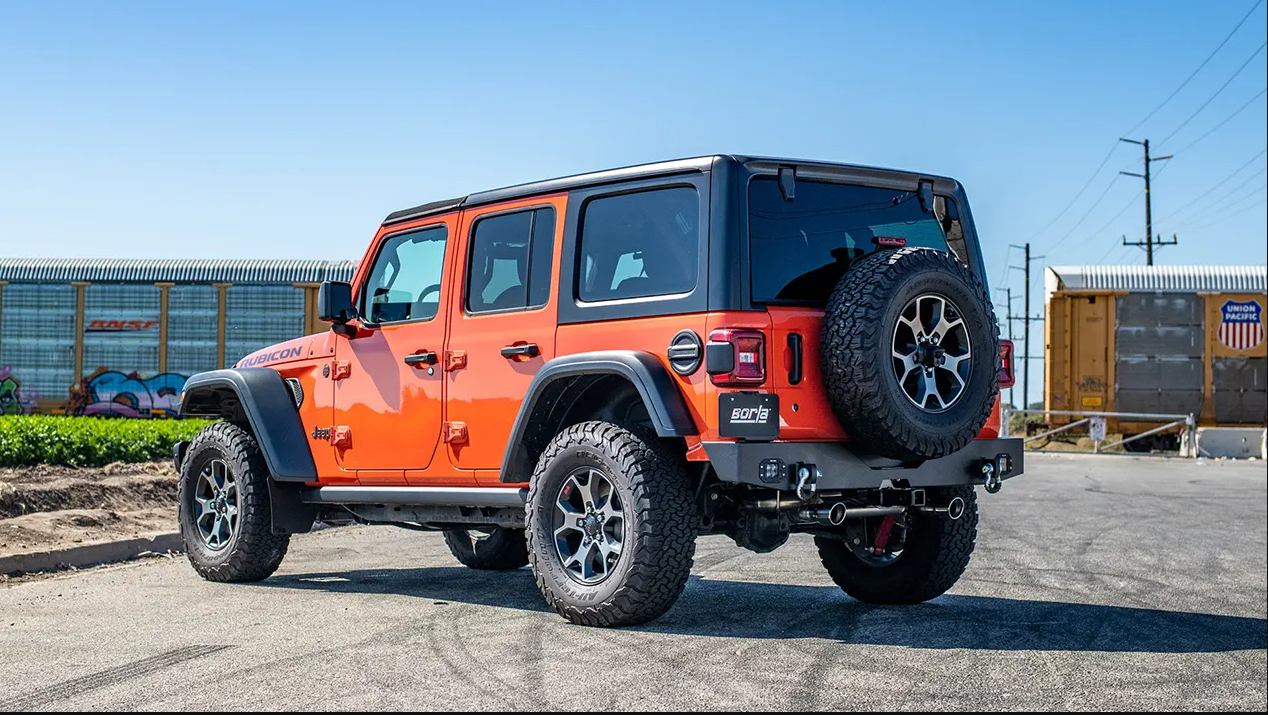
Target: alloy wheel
x,y
216,502
589,525
932,354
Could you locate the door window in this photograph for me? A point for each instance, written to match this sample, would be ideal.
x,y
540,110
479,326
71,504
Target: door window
x,y
405,281
510,262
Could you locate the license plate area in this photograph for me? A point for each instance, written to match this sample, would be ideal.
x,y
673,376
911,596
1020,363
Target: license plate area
x,y
751,416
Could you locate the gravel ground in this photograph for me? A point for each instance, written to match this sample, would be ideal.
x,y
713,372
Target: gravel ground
x,y
1098,583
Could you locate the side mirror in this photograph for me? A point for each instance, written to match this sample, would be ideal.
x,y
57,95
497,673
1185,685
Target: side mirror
x,y
334,303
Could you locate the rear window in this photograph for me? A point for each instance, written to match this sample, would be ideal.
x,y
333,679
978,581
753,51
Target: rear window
x,y
799,249
640,245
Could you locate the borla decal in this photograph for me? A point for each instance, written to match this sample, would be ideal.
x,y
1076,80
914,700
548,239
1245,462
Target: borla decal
x,y
1241,327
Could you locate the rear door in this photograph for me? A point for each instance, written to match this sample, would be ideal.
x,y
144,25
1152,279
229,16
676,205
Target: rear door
x,y
388,381
800,246
502,325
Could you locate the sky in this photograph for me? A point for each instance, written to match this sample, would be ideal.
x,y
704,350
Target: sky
x,y
288,129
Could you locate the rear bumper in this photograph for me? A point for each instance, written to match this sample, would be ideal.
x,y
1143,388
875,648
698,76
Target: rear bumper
x,y
773,464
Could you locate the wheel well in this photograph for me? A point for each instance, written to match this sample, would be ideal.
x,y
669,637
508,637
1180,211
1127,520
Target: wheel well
x,y
216,401
579,398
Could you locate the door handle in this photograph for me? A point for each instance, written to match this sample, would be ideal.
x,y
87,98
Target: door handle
x,y
426,358
529,350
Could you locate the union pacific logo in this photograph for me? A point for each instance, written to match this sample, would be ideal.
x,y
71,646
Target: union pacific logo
x,y
265,358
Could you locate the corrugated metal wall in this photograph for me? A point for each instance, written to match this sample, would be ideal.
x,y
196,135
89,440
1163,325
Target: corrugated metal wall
x,y
37,336
1239,389
1158,345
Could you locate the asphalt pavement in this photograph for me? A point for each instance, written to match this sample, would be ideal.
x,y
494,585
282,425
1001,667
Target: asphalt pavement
x,y
1098,583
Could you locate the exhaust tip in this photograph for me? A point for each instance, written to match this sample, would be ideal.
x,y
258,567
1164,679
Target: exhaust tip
x,y
836,514
955,509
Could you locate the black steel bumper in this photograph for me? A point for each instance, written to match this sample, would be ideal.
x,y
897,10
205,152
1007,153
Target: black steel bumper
x,y
775,464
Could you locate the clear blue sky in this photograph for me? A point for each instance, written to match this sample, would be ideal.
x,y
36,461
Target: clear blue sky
x,y
226,129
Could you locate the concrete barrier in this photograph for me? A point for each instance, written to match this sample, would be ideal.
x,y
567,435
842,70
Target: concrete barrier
x,y
1232,442
88,554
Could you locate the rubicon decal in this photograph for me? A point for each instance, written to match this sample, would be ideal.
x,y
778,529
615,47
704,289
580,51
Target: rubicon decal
x,y
115,326
265,358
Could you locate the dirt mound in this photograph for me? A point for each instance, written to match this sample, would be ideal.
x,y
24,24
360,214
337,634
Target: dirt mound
x,y
48,507
71,527
114,487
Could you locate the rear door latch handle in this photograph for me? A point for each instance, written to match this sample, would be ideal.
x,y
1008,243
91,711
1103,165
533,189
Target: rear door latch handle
x,y
427,358
529,350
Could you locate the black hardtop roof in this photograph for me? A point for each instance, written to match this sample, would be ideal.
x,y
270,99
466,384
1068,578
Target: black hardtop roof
x,y
639,171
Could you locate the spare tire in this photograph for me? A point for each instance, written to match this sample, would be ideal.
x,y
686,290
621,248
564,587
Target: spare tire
x,y
909,352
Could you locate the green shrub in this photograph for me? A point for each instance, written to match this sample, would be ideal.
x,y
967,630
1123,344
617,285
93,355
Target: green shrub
x,y
89,441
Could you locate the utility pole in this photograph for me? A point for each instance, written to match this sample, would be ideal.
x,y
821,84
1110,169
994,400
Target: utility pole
x,y
1025,322
1008,317
1149,241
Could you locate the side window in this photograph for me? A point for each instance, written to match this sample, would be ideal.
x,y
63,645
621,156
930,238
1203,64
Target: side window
x,y
405,281
510,263
639,245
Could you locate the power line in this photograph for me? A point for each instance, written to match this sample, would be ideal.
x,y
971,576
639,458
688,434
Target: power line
x,y
1213,129
1217,93
1222,206
1147,117
1008,253
1079,194
1225,180
1255,205
1199,69
1120,212
1217,204
1087,213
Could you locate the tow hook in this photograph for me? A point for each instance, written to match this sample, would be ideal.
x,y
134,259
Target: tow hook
x,y
990,477
807,482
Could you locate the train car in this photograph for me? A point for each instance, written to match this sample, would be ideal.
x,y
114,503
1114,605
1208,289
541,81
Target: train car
x,y
1157,339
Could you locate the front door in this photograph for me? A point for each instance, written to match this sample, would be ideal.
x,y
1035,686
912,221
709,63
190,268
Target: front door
x,y
388,379
503,324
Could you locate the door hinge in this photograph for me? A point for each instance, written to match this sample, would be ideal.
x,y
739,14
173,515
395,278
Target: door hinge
x,y
455,360
342,370
341,436
456,432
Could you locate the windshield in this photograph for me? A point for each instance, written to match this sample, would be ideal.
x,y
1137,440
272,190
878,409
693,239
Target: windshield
x,y
799,249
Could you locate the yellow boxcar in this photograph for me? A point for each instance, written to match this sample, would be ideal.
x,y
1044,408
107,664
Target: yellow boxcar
x,y
1161,339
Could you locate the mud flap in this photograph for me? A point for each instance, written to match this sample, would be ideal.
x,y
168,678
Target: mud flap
x,y
290,514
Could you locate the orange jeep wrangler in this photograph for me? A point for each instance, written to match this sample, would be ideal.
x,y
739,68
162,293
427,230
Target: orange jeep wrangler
x,y
584,374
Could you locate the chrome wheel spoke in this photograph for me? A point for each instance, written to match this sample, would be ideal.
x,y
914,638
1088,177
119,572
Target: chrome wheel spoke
x,y
607,547
908,361
952,363
204,507
587,490
927,388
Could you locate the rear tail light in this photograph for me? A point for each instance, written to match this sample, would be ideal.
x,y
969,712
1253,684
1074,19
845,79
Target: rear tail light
x,y
736,357
1006,377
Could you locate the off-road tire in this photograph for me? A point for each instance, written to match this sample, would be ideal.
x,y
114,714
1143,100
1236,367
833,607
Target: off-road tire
x,y
254,552
935,556
660,532
501,550
856,350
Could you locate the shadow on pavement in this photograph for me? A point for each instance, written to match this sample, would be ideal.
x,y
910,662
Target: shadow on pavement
x,y
759,610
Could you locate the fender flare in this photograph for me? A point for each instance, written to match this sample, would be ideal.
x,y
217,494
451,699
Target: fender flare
x,y
259,395
665,404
